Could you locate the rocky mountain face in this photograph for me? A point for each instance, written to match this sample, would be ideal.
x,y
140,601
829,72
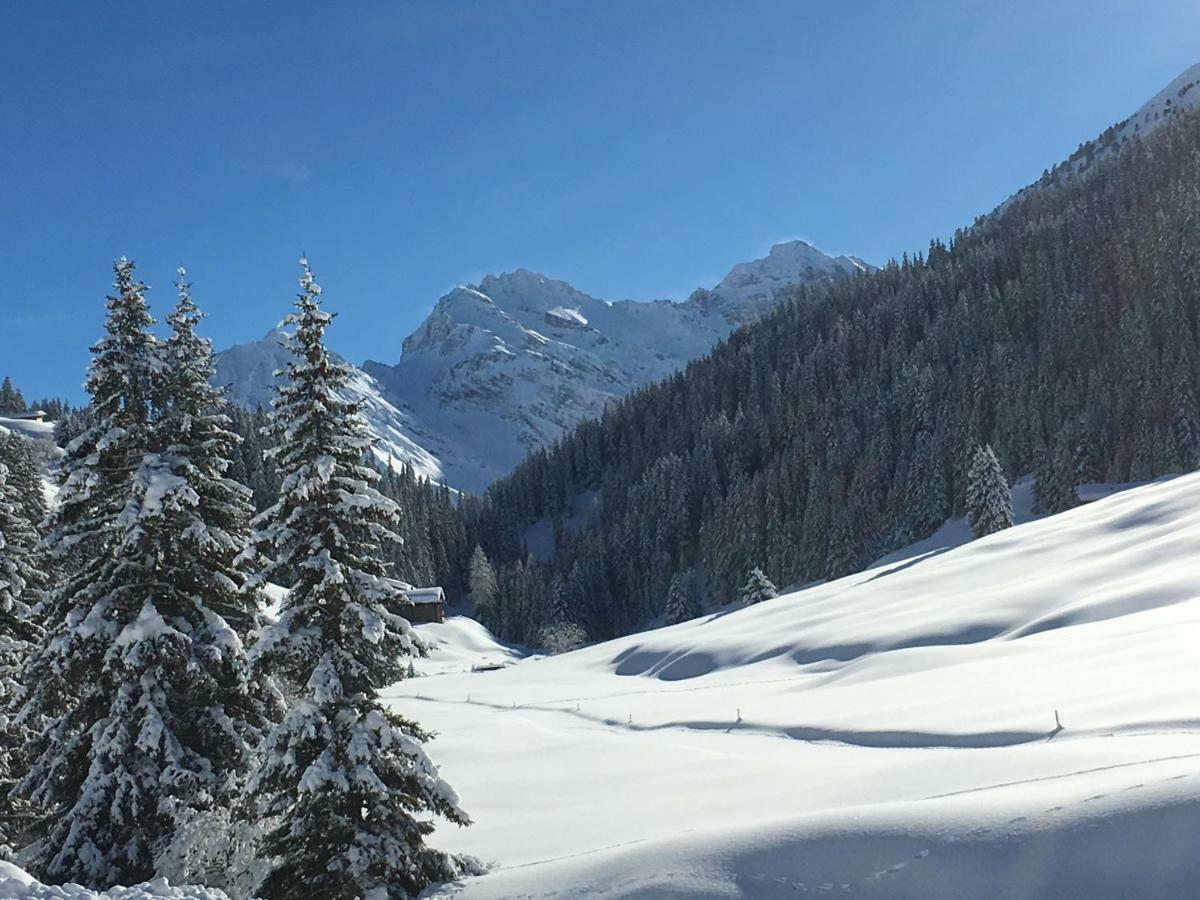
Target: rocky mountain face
x,y
507,365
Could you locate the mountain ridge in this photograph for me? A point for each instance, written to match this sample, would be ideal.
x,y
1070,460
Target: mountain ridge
x,y
509,364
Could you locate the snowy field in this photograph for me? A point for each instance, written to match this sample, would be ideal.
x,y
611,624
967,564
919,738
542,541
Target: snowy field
x,y
891,734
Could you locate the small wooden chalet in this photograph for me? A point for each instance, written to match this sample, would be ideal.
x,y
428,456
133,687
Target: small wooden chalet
x,y
421,605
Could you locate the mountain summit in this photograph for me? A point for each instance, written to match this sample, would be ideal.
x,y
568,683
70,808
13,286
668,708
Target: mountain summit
x,y
507,365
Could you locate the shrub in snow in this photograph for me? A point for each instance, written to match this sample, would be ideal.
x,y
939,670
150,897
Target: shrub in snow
x,y
345,783
989,499
758,587
139,693
562,637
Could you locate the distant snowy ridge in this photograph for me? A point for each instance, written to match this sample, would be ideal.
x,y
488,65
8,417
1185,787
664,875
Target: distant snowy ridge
x,y
1181,95
508,365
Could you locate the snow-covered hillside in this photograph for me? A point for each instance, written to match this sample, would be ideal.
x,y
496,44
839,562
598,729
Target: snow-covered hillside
x,y
1181,95
507,365
248,370
893,734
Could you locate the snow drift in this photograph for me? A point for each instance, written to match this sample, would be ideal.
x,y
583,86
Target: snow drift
x,y
1017,717
16,883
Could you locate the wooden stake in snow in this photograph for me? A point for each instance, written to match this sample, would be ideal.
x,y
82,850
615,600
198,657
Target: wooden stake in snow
x,y
1058,726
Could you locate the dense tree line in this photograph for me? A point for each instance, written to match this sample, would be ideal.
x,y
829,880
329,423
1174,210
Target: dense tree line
x,y
154,719
1060,331
13,401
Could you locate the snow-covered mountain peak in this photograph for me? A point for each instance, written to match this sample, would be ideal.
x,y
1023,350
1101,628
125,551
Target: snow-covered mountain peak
x,y
533,292
507,365
750,288
786,265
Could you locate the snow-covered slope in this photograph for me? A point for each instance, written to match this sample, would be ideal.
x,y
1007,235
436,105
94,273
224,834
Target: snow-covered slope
x,y
248,370
507,365
1180,95
892,734
461,644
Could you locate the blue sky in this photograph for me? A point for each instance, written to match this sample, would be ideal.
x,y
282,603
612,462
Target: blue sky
x,y
633,149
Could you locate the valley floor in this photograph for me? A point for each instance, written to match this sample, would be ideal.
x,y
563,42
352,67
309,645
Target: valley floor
x,y
891,734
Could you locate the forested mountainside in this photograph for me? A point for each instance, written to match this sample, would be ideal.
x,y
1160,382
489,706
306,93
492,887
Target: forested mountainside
x,y
1062,330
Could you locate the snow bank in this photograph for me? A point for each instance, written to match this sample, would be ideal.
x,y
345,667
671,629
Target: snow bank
x,y
461,644
895,733
16,883
30,428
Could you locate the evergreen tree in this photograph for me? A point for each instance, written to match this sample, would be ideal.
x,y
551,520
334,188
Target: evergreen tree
x,y
758,587
70,683
11,400
20,587
482,581
989,500
345,781
682,601
24,477
142,683
210,563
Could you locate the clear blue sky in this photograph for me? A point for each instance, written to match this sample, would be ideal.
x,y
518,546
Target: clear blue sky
x,y
635,149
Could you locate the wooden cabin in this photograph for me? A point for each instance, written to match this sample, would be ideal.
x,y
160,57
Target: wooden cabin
x,y
33,415
423,605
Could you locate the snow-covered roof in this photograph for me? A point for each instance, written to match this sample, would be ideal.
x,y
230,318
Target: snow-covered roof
x,y
418,596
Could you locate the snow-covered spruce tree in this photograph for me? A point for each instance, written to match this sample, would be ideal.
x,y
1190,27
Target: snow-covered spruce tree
x,y
481,579
142,686
682,602
24,477
64,704
989,499
758,587
561,633
345,781
11,400
199,446
20,585
203,538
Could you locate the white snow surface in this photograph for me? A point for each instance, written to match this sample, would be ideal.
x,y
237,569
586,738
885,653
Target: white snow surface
x,y
460,644
17,884
891,734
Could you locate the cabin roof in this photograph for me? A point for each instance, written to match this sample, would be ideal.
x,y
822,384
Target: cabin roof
x,y
425,595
